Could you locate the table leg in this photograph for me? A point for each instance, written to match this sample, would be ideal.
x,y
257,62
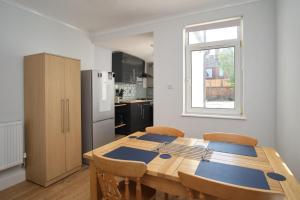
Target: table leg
x,y
94,189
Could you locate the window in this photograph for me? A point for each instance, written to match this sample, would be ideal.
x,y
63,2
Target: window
x,y
213,72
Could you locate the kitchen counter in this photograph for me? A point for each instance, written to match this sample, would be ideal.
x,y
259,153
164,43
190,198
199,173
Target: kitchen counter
x,y
120,104
135,101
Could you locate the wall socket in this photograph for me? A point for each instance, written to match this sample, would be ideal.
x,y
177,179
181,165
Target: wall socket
x,y
170,86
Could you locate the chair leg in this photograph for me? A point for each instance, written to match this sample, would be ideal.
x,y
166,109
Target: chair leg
x,y
209,197
201,196
166,196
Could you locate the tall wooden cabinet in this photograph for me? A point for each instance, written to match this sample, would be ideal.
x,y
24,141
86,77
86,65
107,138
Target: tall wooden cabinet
x,y
52,117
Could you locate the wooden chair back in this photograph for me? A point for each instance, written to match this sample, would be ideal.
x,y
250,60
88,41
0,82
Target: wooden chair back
x,y
218,190
230,137
163,130
108,168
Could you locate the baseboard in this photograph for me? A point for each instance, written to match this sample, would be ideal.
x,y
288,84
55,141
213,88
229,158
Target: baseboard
x,y
11,177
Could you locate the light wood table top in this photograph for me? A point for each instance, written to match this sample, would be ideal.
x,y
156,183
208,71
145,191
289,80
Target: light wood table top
x,y
267,160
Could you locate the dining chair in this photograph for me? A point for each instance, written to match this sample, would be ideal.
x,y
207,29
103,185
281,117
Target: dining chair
x,y
131,188
230,137
215,190
164,130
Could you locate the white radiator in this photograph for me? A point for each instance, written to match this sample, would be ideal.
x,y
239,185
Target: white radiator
x,y
11,144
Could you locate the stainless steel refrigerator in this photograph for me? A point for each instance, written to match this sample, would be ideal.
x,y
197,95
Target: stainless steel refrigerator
x,y
97,108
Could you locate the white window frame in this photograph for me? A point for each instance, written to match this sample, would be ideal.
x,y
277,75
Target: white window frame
x,y
188,110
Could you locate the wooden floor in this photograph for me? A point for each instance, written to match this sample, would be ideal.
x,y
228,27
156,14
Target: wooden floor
x,y
74,187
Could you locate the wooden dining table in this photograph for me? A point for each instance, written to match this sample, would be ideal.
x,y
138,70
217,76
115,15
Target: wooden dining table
x,y
162,173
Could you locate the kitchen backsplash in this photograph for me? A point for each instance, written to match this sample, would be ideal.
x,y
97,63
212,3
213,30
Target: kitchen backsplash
x,y
129,89
132,91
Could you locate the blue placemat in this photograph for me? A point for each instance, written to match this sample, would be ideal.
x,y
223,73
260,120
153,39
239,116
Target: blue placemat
x,y
238,149
128,153
276,176
233,174
157,138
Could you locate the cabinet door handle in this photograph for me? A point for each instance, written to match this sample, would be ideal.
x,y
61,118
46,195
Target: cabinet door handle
x,y
134,78
62,115
68,115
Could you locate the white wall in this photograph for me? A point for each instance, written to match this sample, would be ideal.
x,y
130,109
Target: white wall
x,y
103,59
23,33
288,92
259,64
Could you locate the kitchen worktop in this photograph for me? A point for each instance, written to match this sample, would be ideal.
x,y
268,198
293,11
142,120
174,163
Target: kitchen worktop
x,y
135,101
120,104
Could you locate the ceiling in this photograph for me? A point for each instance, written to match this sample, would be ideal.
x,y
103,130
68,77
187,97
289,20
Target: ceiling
x,y
104,15
138,45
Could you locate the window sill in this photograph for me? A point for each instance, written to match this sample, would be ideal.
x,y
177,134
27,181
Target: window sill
x,y
234,117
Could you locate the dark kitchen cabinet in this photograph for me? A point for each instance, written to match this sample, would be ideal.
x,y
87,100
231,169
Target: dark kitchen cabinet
x,y
140,116
147,114
121,118
127,67
136,118
133,117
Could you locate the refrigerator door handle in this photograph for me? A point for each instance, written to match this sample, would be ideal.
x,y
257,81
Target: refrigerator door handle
x,y
143,112
134,78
